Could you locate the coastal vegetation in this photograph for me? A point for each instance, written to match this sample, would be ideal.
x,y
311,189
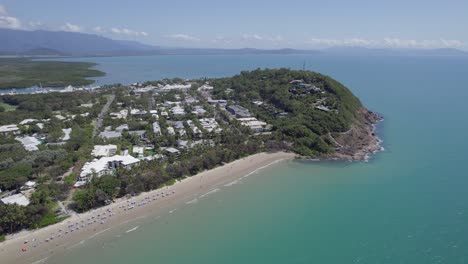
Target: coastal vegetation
x,y
171,129
22,72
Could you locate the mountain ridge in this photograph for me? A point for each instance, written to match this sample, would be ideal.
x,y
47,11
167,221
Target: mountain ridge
x,y
61,43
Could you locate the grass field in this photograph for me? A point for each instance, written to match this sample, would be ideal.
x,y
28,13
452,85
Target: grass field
x,y
8,107
19,73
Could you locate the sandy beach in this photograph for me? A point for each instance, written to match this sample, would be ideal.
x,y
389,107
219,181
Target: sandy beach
x,y
33,246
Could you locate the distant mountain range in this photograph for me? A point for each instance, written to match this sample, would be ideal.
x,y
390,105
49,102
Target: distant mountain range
x,y
60,43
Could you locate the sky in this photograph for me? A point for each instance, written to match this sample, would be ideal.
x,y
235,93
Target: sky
x,y
302,24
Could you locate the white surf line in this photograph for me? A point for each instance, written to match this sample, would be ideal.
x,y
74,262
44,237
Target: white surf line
x,y
260,168
131,230
173,210
232,183
40,261
98,233
192,201
75,245
133,219
210,192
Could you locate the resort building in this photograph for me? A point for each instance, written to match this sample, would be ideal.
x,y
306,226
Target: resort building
x,y
27,121
210,124
238,111
9,130
221,103
172,151
138,151
110,134
18,199
253,123
29,143
66,132
104,150
104,165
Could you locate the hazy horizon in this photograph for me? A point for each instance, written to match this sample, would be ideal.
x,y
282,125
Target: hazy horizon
x,y
297,24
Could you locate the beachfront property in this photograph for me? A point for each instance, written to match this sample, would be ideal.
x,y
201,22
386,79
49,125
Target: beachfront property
x,y
185,144
253,123
18,199
9,130
103,166
104,150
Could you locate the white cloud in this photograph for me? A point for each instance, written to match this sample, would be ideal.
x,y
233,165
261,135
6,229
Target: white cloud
x,y
221,39
99,29
71,27
385,43
264,38
126,31
183,37
7,21
35,24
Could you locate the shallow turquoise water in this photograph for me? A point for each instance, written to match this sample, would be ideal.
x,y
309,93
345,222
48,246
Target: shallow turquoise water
x,y
409,204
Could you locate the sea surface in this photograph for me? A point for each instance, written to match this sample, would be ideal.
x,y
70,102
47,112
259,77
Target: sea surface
x,y
408,204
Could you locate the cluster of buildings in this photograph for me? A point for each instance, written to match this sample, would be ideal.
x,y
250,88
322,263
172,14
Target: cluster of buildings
x,y
243,115
106,161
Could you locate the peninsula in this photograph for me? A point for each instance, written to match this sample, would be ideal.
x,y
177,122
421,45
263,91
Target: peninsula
x,y
26,72
65,153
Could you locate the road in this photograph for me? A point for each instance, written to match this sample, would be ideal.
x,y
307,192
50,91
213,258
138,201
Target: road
x,y
103,113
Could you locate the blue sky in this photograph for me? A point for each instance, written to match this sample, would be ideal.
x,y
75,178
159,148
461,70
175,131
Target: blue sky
x,y
304,24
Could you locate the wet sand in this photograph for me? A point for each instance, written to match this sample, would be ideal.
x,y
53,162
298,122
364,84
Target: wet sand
x,y
63,236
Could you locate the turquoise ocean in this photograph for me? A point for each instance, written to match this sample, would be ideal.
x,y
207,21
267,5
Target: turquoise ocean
x,y
408,204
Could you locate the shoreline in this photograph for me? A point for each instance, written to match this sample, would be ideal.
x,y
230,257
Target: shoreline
x,y
60,237
361,141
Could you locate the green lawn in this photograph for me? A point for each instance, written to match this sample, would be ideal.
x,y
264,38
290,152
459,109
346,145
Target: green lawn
x,y
8,107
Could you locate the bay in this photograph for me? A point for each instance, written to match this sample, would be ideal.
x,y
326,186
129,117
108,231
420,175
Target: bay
x,y
408,204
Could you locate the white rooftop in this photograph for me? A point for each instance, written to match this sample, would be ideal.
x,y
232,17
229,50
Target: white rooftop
x,y
18,199
66,132
102,164
29,143
104,150
27,121
9,128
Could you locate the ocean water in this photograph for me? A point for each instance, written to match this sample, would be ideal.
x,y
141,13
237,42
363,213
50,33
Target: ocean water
x,y
408,204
